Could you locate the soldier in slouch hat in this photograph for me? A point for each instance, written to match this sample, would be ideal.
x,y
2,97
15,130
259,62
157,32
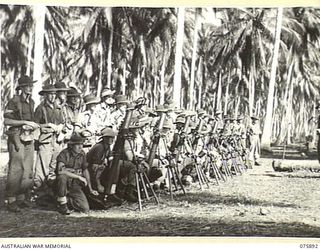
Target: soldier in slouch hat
x,y
19,115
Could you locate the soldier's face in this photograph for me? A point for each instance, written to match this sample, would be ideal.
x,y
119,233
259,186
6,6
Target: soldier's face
x,y
77,148
62,95
51,97
74,100
27,89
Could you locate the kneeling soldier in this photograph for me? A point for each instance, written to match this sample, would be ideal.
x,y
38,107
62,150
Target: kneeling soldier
x,y
72,177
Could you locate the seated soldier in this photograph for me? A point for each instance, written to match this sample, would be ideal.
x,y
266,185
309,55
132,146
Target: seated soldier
x,y
100,159
72,177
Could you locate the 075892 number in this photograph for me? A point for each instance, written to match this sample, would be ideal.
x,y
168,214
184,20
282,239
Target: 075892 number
x,y
308,246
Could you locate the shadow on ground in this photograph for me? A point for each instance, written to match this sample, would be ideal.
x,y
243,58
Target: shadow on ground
x,y
228,200
60,226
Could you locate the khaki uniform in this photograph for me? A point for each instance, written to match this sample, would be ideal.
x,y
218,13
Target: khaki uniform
x,y
254,138
70,188
49,147
21,153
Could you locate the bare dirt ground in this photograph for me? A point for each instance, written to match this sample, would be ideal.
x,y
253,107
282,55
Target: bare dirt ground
x,y
261,202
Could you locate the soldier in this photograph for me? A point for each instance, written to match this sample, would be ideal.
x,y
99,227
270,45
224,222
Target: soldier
x,y
73,108
140,106
90,119
227,126
241,131
158,170
106,108
119,113
218,121
61,101
19,115
254,132
72,177
50,117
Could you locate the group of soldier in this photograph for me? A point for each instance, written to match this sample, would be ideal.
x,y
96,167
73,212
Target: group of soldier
x,y
89,150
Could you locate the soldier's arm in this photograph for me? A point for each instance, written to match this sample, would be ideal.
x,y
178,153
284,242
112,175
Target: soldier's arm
x,y
86,175
17,123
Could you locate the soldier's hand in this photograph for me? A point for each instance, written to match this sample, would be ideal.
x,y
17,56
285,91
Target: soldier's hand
x,y
94,192
84,180
32,124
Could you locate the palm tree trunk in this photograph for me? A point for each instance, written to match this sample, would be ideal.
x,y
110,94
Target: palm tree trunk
x,y
12,91
163,67
219,93
39,17
108,12
178,59
123,78
193,61
99,87
30,46
138,83
267,132
226,100
200,77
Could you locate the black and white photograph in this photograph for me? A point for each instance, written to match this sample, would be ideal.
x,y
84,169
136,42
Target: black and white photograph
x,y
122,121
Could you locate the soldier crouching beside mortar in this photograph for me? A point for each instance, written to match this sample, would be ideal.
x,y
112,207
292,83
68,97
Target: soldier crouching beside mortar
x,y
72,176
100,159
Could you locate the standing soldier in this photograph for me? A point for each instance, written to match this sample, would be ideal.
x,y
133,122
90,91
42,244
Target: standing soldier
x,y
117,116
61,102
90,120
73,108
19,115
254,132
50,118
106,108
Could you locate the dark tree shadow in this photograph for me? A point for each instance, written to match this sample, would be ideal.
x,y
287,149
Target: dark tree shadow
x,y
60,226
208,197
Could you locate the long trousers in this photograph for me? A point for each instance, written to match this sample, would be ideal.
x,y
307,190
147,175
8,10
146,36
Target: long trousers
x,y
72,189
20,172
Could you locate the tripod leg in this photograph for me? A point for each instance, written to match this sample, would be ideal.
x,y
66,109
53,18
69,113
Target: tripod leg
x,y
235,167
212,166
170,181
144,186
225,168
173,177
138,189
199,177
151,188
179,179
204,177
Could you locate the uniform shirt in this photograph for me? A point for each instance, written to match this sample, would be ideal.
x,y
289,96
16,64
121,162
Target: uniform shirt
x,y
89,121
72,162
63,108
104,113
255,129
116,118
72,115
18,108
46,113
98,154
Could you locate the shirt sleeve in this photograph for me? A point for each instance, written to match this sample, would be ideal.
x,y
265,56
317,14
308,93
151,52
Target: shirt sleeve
x,y
63,158
84,164
38,115
95,154
11,111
